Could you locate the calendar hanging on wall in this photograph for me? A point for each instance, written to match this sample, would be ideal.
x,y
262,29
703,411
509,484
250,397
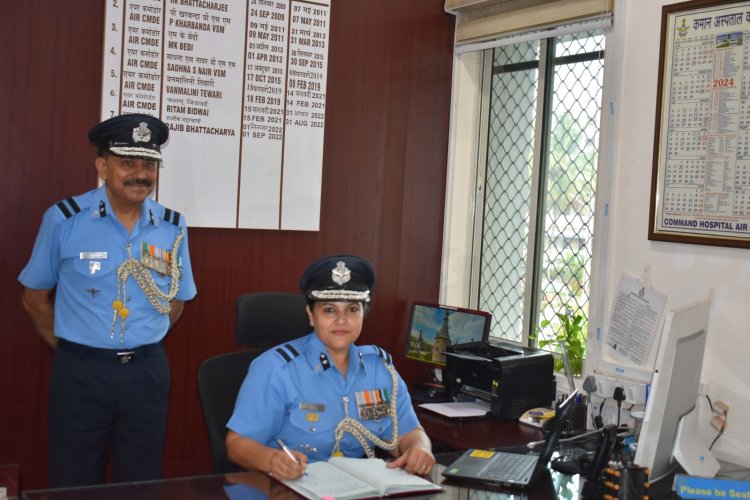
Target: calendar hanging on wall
x,y
700,187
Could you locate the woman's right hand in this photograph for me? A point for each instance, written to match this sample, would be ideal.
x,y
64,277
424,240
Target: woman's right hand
x,y
283,467
252,455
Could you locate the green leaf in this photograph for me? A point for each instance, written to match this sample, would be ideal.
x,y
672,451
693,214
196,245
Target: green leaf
x,y
571,332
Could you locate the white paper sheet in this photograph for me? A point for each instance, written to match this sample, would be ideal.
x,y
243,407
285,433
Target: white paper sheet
x,y
461,409
635,316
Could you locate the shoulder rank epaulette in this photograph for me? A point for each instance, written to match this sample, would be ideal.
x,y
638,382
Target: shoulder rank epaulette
x,y
381,353
288,352
68,207
172,216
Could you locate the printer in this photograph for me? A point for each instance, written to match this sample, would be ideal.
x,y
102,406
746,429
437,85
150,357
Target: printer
x,y
512,378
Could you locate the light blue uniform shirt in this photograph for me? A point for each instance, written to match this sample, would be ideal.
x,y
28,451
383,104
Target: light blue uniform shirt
x,y
301,401
79,254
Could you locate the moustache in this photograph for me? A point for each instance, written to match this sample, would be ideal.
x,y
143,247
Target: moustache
x,y
139,182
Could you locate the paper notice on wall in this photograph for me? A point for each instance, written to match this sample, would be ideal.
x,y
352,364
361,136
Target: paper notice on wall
x,y
636,312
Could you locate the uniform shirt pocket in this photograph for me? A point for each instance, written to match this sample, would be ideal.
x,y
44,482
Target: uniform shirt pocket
x,y
381,427
311,422
162,281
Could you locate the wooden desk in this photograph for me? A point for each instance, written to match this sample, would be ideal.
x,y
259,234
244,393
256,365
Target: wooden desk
x,y
257,485
475,433
451,433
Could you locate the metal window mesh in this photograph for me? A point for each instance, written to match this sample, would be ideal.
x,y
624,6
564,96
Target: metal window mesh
x,y
570,181
508,190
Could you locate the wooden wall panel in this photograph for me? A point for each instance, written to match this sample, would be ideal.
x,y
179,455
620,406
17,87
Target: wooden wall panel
x,y
385,154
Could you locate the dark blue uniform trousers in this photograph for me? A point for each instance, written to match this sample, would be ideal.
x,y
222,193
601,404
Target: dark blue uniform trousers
x,y
97,402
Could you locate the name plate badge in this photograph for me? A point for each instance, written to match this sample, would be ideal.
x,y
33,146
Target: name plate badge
x,y
93,255
314,407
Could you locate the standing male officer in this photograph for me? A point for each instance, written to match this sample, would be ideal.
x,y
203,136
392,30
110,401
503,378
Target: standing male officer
x,y
108,276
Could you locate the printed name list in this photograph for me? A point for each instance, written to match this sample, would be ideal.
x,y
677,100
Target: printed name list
x,y
241,86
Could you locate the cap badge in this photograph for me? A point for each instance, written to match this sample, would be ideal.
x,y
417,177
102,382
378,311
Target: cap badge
x,y
340,274
141,133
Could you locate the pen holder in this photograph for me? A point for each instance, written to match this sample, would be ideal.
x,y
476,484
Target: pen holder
x,y
578,417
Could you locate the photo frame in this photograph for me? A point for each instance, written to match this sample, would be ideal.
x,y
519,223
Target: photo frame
x,y
700,185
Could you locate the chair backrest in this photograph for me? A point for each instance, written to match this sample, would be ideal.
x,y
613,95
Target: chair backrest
x,y
267,319
219,381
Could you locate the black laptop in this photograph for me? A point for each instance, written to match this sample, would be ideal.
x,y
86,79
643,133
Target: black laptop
x,y
512,468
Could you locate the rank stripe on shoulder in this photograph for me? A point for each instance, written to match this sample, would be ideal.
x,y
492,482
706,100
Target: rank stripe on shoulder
x,y
378,351
172,216
387,357
288,352
68,207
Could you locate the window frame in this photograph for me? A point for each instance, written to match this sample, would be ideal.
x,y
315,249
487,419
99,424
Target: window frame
x,y
465,168
532,258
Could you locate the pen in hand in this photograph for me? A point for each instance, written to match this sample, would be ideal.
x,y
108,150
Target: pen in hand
x,y
288,452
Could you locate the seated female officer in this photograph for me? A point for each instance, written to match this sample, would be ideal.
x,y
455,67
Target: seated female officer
x,y
321,395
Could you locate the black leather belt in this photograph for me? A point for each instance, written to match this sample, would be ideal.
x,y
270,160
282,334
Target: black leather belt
x,y
124,356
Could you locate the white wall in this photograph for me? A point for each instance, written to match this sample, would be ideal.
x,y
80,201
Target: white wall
x,y
683,272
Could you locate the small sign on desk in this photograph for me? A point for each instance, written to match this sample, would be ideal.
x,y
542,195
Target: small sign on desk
x,y
537,417
703,487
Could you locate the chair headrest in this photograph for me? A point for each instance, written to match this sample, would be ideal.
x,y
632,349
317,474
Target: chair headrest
x,y
270,318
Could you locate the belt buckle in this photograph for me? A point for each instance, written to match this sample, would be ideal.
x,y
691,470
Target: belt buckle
x,y
125,356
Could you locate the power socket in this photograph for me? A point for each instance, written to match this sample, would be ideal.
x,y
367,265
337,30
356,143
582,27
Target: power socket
x,y
721,407
718,422
609,414
635,392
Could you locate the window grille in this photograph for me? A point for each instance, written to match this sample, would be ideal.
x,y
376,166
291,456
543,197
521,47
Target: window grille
x,y
540,181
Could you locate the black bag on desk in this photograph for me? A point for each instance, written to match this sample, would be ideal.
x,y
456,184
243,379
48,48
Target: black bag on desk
x,y
511,377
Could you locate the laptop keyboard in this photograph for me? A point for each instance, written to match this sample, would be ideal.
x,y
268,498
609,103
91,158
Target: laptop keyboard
x,y
509,467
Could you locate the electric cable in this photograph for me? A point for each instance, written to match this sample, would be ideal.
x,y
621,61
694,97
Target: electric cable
x,y
724,416
721,431
710,404
619,396
599,421
534,444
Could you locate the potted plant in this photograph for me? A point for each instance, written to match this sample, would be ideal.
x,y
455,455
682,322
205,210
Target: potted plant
x,y
571,332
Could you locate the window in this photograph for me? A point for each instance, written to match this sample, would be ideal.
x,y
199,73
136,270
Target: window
x,y
530,250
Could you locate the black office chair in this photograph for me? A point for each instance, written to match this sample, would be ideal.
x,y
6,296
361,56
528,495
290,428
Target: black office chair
x,y
264,320
267,319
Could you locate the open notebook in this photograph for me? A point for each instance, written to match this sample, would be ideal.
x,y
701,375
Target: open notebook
x,y
345,478
512,468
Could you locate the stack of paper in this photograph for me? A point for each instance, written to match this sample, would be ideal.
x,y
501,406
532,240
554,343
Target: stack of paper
x,y
459,409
